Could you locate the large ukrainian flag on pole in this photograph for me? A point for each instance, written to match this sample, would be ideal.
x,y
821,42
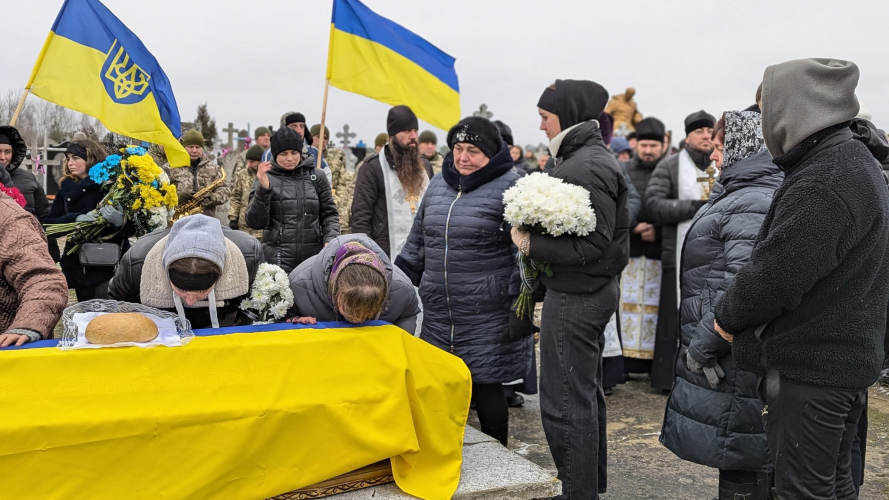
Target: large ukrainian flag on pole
x,y
375,57
93,64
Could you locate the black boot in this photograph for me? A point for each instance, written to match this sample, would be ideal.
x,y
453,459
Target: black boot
x,y
756,490
500,433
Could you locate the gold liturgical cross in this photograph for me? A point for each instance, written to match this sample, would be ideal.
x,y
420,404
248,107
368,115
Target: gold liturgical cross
x,y
710,179
413,201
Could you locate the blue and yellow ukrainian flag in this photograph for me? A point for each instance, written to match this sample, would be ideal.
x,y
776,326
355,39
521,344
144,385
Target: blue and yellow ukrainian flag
x,y
93,64
375,57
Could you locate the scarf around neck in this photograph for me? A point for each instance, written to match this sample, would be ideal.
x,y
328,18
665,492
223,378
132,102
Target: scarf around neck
x,y
698,157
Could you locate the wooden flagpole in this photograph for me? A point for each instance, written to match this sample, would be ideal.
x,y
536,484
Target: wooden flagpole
x,y
18,109
323,120
326,89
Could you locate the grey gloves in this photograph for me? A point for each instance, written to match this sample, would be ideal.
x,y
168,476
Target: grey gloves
x,y
113,215
713,373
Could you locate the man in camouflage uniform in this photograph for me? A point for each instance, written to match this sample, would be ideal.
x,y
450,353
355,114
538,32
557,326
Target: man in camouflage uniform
x,y
342,181
379,142
199,174
429,150
241,188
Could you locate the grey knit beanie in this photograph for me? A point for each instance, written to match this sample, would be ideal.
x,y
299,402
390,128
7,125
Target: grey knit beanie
x,y
196,236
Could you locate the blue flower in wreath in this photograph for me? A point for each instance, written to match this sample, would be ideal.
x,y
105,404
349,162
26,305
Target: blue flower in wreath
x,y
112,160
100,173
136,150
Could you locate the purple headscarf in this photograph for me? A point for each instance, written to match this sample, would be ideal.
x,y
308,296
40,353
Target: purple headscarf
x,y
351,253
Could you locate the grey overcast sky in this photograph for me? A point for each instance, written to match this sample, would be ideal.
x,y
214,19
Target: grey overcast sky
x,y
253,60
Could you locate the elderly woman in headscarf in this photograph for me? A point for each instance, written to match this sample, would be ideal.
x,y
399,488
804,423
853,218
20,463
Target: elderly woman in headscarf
x,y
459,253
713,415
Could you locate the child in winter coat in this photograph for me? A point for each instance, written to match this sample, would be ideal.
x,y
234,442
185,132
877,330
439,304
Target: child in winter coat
x,y
292,203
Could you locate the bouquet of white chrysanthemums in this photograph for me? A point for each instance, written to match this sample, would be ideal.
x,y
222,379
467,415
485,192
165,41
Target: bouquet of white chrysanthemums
x,y
538,203
270,298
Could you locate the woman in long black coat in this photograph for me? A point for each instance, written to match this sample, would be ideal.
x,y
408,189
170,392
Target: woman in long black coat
x,y
713,415
460,254
77,201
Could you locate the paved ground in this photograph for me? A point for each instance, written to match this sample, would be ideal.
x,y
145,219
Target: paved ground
x,y
639,467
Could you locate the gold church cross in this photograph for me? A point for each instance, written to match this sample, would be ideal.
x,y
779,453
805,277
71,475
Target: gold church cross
x,y
710,179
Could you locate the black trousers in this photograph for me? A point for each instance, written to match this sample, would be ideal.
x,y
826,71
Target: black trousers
x,y
811,430
493,412
99,291
572,400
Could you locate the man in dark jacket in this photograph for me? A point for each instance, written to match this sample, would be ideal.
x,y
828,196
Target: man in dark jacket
x,y
641,279
582,293
393,181
677,189
809,310
12,153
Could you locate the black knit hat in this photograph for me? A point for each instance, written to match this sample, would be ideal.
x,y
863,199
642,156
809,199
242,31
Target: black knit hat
x,y
294,118
401,118
650,129
254,153
505,132
479,132
286,139
698,120
574,101
428,136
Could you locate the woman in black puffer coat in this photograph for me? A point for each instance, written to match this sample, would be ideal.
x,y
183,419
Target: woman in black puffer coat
x,y
76,201
292,203
460,254
713,415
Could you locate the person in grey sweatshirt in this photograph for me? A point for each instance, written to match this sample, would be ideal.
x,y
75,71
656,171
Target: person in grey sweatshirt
x,y
808,312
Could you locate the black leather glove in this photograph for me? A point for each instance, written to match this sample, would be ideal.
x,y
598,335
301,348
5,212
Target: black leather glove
x,y
520,328
184,198
233,224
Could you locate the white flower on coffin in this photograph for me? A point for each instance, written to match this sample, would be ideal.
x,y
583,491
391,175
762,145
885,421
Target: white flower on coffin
x,y
270,297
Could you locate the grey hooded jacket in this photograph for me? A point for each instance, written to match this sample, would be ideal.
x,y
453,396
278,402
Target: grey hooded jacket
x,y
721,427
309,285
811,304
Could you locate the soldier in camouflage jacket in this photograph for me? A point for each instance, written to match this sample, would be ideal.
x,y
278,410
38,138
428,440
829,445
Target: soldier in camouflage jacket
x,y
428,144
241,188
201,173
342,181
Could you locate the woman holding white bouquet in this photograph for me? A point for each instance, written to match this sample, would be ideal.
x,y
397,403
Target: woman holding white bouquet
x,y
582,290
460,254
197,268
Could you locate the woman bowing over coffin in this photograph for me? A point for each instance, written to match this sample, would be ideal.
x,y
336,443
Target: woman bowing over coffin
x,y
352,279
197,269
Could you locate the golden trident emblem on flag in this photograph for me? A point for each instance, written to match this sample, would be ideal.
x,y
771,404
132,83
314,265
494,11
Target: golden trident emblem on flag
x,y
128,79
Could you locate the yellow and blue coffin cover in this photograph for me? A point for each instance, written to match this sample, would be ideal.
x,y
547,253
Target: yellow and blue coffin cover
x,y
375,57
93,64
240,413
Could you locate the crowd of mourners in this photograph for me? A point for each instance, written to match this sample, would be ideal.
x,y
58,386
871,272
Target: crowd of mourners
x,y
747,272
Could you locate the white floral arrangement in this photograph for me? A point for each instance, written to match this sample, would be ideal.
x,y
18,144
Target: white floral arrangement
x,y
270,298
543,204
539,203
